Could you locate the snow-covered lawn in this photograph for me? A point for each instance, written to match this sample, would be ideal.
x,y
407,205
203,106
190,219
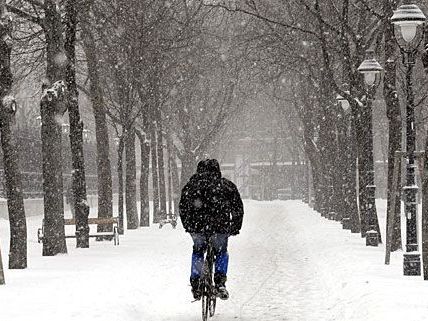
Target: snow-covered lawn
x,y
288,263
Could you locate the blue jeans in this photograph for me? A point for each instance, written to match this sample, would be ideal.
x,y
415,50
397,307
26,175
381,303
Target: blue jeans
x,y
200,243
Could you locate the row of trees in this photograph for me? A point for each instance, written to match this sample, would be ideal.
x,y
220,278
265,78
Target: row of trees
x,y
173,73
168,73
310,52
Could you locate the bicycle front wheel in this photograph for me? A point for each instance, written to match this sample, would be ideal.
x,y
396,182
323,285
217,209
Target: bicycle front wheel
x,y
205,305
213,300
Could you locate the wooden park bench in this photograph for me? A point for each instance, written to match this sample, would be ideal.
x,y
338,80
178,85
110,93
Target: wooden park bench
x,y
113,235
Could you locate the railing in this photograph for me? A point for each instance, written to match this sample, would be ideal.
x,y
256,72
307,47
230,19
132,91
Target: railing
x,y
32,184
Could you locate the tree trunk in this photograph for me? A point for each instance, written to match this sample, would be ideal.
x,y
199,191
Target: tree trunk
x,y
131,176
144,180
294,176
161,171
327,154
175,184
155,178
306,181
425,213
174,174
53,30
362,195
188,167
54,234
170,191
316,179
343,179
55,57
15,199
352,170
361,160
51,106
393,113
120,150
328,140
2,280
350,146
105,193
76,128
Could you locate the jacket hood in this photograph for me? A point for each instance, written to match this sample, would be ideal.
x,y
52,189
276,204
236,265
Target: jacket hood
x,y
210,167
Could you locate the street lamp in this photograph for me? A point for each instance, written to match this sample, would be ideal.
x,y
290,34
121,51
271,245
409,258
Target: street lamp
x,y
343,102
371,70
407,19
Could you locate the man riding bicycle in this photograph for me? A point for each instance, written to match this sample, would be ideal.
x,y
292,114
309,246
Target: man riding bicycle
x,y
210,208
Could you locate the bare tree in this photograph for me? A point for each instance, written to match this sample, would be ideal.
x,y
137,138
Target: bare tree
x,y
105,193
15,201
51,106
288,39
76,126
393,113
144,179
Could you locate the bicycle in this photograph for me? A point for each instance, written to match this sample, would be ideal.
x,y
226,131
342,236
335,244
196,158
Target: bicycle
x,y
209,295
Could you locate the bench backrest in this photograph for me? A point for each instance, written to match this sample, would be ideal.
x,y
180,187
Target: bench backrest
x,y
94,220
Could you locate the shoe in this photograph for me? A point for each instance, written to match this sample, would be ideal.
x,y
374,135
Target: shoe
x,y
196,291
197,294
221,292
220,279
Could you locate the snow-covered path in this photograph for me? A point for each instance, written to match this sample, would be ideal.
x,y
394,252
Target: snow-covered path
x,y
288,263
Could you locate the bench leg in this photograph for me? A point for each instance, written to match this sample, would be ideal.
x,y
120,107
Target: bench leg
x,y
116,235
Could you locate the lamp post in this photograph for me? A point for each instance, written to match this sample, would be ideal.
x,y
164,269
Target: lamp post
x,y
120,143
371,70
407,19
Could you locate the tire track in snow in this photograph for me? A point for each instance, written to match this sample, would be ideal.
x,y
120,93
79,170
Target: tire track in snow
x,y
265,280
288,287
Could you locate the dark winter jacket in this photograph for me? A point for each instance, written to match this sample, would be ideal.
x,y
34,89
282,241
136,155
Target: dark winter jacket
x,y
210,203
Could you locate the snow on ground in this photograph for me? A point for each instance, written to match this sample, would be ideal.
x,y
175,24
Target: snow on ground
x,y
288,263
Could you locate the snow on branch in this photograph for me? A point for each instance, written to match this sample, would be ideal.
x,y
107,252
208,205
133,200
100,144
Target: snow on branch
x,y
9,103
55,92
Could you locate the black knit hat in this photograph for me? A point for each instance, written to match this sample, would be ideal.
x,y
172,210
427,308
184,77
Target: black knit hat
x,y
202,166
213,166
209,166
